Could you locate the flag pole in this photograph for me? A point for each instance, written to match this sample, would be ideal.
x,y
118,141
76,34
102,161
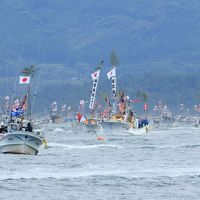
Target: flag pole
x,y
29,102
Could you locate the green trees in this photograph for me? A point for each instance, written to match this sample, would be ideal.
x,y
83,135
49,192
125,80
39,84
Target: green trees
x,y
100,65
142,95
114,60
29,71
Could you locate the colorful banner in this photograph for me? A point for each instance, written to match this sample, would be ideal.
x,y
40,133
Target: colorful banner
x,y
95,77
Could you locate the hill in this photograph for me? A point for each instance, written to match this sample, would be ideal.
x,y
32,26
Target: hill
x,y
157,43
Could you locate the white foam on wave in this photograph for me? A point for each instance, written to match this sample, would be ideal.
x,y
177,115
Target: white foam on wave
x,y
71,174
42,174
167,146
66,146
170,172
58,130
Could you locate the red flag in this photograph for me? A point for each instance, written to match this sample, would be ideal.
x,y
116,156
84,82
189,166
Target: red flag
x,y
135,100
79,116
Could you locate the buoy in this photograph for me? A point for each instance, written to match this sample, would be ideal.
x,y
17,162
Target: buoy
x,y
100,138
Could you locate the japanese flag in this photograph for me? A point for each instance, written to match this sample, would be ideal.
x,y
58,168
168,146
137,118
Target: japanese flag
x,y
24,79
95,75
111,73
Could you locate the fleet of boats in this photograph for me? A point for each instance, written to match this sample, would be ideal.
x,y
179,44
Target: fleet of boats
x,y
20,134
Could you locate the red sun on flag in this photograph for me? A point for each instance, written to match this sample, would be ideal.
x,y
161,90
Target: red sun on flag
x,y
24,79
95,74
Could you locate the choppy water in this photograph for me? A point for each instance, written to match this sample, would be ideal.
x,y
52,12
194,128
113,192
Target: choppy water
x,y
163,164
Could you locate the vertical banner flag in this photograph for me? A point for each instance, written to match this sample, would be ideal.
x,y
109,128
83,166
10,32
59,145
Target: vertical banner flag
x,y
114,89
112,75
95,78
24,79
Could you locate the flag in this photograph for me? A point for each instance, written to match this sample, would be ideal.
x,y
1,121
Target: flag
x,y
24,103
15,105
145,106
95,78
79,116
63,108
69,108
54,107
24,79
82,102
111,73
127,97
17,112
82,119
95,75
135,100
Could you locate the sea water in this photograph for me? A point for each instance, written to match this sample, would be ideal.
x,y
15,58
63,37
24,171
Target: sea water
x,y
162,164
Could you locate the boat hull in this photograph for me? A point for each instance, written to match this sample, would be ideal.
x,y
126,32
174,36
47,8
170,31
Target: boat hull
x,y
114,126
138,131
20,142
96,127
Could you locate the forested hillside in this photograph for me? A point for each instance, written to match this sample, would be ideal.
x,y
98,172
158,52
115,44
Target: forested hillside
x,y
157,43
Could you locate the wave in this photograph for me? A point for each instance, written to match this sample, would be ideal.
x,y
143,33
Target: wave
x,y
58,175
71,174
66,146
190,146
58,130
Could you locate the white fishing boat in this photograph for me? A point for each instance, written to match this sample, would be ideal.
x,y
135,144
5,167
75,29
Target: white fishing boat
x,y
112,125
19,136
20,141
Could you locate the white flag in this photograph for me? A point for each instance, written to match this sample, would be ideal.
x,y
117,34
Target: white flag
x,y
95,75
82,102
111,73
24,79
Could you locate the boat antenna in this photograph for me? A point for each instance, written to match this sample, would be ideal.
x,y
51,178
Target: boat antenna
x,y
16,78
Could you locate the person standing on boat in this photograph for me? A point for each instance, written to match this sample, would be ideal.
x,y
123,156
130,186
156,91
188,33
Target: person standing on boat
x,y
29,127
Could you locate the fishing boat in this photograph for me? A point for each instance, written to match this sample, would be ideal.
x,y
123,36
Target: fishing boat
x,y
139,126
55,116
92,125
19,136
112,124
24,141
